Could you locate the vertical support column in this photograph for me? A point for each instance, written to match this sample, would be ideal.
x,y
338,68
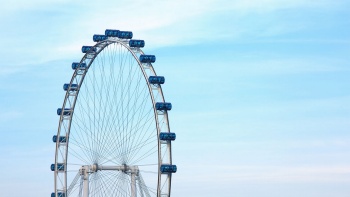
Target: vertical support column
x,y
140,185
85,175
133,184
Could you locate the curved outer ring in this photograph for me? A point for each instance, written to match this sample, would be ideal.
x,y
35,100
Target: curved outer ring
x,y
71,104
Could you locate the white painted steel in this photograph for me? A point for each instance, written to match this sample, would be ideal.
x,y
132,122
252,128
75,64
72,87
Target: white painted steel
x,y
62,154
85,176
133,185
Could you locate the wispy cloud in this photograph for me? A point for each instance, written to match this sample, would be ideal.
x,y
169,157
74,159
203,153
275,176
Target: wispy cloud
x,y
10,116
279,66
300,174
68,25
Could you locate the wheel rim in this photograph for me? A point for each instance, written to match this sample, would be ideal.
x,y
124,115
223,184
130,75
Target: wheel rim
x,y
113,122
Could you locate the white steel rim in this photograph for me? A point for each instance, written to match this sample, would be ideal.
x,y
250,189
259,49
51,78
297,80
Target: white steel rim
x,y
163,149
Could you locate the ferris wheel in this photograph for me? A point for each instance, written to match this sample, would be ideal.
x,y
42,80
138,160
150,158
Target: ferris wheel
x,y
113,136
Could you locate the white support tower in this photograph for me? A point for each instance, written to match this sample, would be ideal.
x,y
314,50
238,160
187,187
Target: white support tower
x,y
133,171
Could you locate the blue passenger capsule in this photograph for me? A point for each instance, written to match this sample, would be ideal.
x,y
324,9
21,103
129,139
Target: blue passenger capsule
x,y
61,138
76,65
166,168
111,32
59,194
98,38
60,167
167,136
136,43
147,58
88,49
125,34
73,87
163,106
66,111
156,80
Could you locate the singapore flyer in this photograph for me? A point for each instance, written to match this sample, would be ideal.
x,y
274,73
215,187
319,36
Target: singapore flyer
x,y
113,137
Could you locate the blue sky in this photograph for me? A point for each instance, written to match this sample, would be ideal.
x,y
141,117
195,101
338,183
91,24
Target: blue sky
x,y
260,90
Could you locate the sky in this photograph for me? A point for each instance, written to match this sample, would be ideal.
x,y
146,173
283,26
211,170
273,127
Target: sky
x,y
260,90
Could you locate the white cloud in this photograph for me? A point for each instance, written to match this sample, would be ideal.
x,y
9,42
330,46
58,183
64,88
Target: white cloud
x,y
10,116
231,173
17,6
160,23
288,65
271,5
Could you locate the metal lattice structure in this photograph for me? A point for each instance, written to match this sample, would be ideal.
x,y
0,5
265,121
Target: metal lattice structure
x,y
113,136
